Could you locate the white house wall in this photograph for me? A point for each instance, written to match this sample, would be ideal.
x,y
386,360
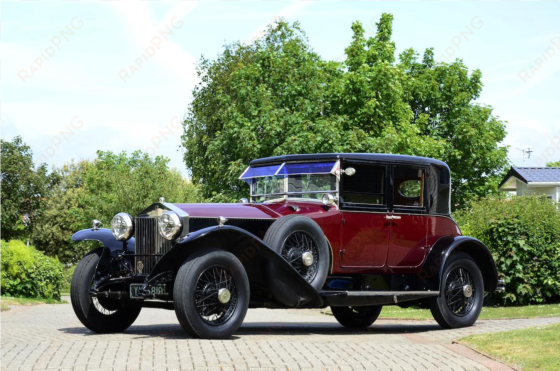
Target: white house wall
x,y
524,190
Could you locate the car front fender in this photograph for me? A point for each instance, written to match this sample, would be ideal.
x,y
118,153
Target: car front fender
x,y
105,236
431,274
265,268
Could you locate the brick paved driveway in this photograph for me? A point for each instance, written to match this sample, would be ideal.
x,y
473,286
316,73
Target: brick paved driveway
x,y
50,337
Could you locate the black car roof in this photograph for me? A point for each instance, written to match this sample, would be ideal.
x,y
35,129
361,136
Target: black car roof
x,y
347,156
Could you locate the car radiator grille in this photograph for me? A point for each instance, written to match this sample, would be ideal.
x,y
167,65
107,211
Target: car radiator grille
x,y
150,246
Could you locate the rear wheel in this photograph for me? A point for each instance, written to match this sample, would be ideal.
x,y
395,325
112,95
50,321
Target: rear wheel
x,y
461,294
356,317
211,294
99,314
302,243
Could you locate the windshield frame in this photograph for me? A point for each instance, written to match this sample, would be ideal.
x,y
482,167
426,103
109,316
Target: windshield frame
x,y
286,195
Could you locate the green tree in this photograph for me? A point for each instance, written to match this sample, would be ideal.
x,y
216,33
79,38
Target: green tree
x,y
553,164
276,96
255,101
99,189
24,188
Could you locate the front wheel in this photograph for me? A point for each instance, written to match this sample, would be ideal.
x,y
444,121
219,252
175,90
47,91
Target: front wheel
x,y
211,294
100,315
462,292
356,317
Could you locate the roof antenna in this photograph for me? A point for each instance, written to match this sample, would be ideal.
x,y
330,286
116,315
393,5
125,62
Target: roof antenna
x,y
525,151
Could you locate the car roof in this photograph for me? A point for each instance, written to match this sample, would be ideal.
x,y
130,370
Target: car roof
x,y
347,156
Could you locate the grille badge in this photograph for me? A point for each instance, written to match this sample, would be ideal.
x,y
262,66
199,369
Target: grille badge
x,y
140,267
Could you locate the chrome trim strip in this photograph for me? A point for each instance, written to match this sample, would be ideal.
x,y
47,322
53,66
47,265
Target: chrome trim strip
x,y
241,176
390,212
295,193
280,168
230,218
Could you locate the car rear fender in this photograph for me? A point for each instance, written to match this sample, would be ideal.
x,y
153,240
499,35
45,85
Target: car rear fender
x,y
432,271
265,268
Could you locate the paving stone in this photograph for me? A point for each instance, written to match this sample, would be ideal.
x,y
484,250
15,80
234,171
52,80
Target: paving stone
x,y
49,337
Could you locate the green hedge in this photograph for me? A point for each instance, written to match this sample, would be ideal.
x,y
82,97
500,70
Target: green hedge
x,y
523,234
28,273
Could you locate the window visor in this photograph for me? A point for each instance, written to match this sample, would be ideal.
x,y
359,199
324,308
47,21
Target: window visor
x,y
288,169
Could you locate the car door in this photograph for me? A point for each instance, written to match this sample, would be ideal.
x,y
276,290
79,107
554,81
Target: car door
x,y
408,217
363,202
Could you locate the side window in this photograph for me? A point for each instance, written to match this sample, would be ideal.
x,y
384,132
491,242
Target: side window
x,y
366,186
408,186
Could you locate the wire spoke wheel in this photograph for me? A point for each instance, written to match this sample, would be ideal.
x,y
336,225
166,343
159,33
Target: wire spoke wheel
x,y
98,305
460,291
296,245
215,295
101,309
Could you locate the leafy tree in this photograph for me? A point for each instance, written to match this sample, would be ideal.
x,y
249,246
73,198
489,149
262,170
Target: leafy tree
x,y
276,96
24,188
255,101
553,164
99,189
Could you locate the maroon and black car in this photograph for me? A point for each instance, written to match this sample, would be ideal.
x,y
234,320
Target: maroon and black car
x,y
351,231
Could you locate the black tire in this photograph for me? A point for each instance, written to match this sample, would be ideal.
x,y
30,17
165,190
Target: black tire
x,y
195,287
356,317
99,315
281,237
453,308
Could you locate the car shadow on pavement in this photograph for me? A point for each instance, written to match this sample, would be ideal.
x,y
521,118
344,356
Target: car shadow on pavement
x,y
291,328
263,329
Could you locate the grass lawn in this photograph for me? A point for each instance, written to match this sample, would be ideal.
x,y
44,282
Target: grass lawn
x,y
6,301
534,348
530,311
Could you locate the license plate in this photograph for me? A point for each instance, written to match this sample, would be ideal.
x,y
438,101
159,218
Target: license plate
x,y
154,290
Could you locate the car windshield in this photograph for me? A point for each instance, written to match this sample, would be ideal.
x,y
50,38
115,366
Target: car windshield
x,y
291,180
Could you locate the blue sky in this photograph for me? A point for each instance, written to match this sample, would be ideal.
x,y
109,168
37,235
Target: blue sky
x,y
73,101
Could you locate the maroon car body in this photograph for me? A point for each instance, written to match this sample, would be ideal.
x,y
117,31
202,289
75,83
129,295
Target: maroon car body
x,y
350,231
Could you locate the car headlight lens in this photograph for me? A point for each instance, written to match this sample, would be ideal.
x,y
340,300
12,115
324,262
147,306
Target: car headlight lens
x,y
169,225
122,226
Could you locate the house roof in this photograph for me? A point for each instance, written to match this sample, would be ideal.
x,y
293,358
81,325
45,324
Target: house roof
x,y
536,176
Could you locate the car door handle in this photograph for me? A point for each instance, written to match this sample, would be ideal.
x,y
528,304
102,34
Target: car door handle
x,y
392,217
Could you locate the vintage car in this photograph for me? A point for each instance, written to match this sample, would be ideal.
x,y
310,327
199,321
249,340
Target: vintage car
x,y
351,231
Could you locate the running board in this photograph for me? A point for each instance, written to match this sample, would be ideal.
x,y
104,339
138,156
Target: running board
x,y
364,298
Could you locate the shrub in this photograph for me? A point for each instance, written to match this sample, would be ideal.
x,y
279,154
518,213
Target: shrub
x,y
523,234
28,273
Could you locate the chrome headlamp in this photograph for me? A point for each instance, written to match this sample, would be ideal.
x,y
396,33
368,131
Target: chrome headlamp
x,y
122,226
328,199
169,225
